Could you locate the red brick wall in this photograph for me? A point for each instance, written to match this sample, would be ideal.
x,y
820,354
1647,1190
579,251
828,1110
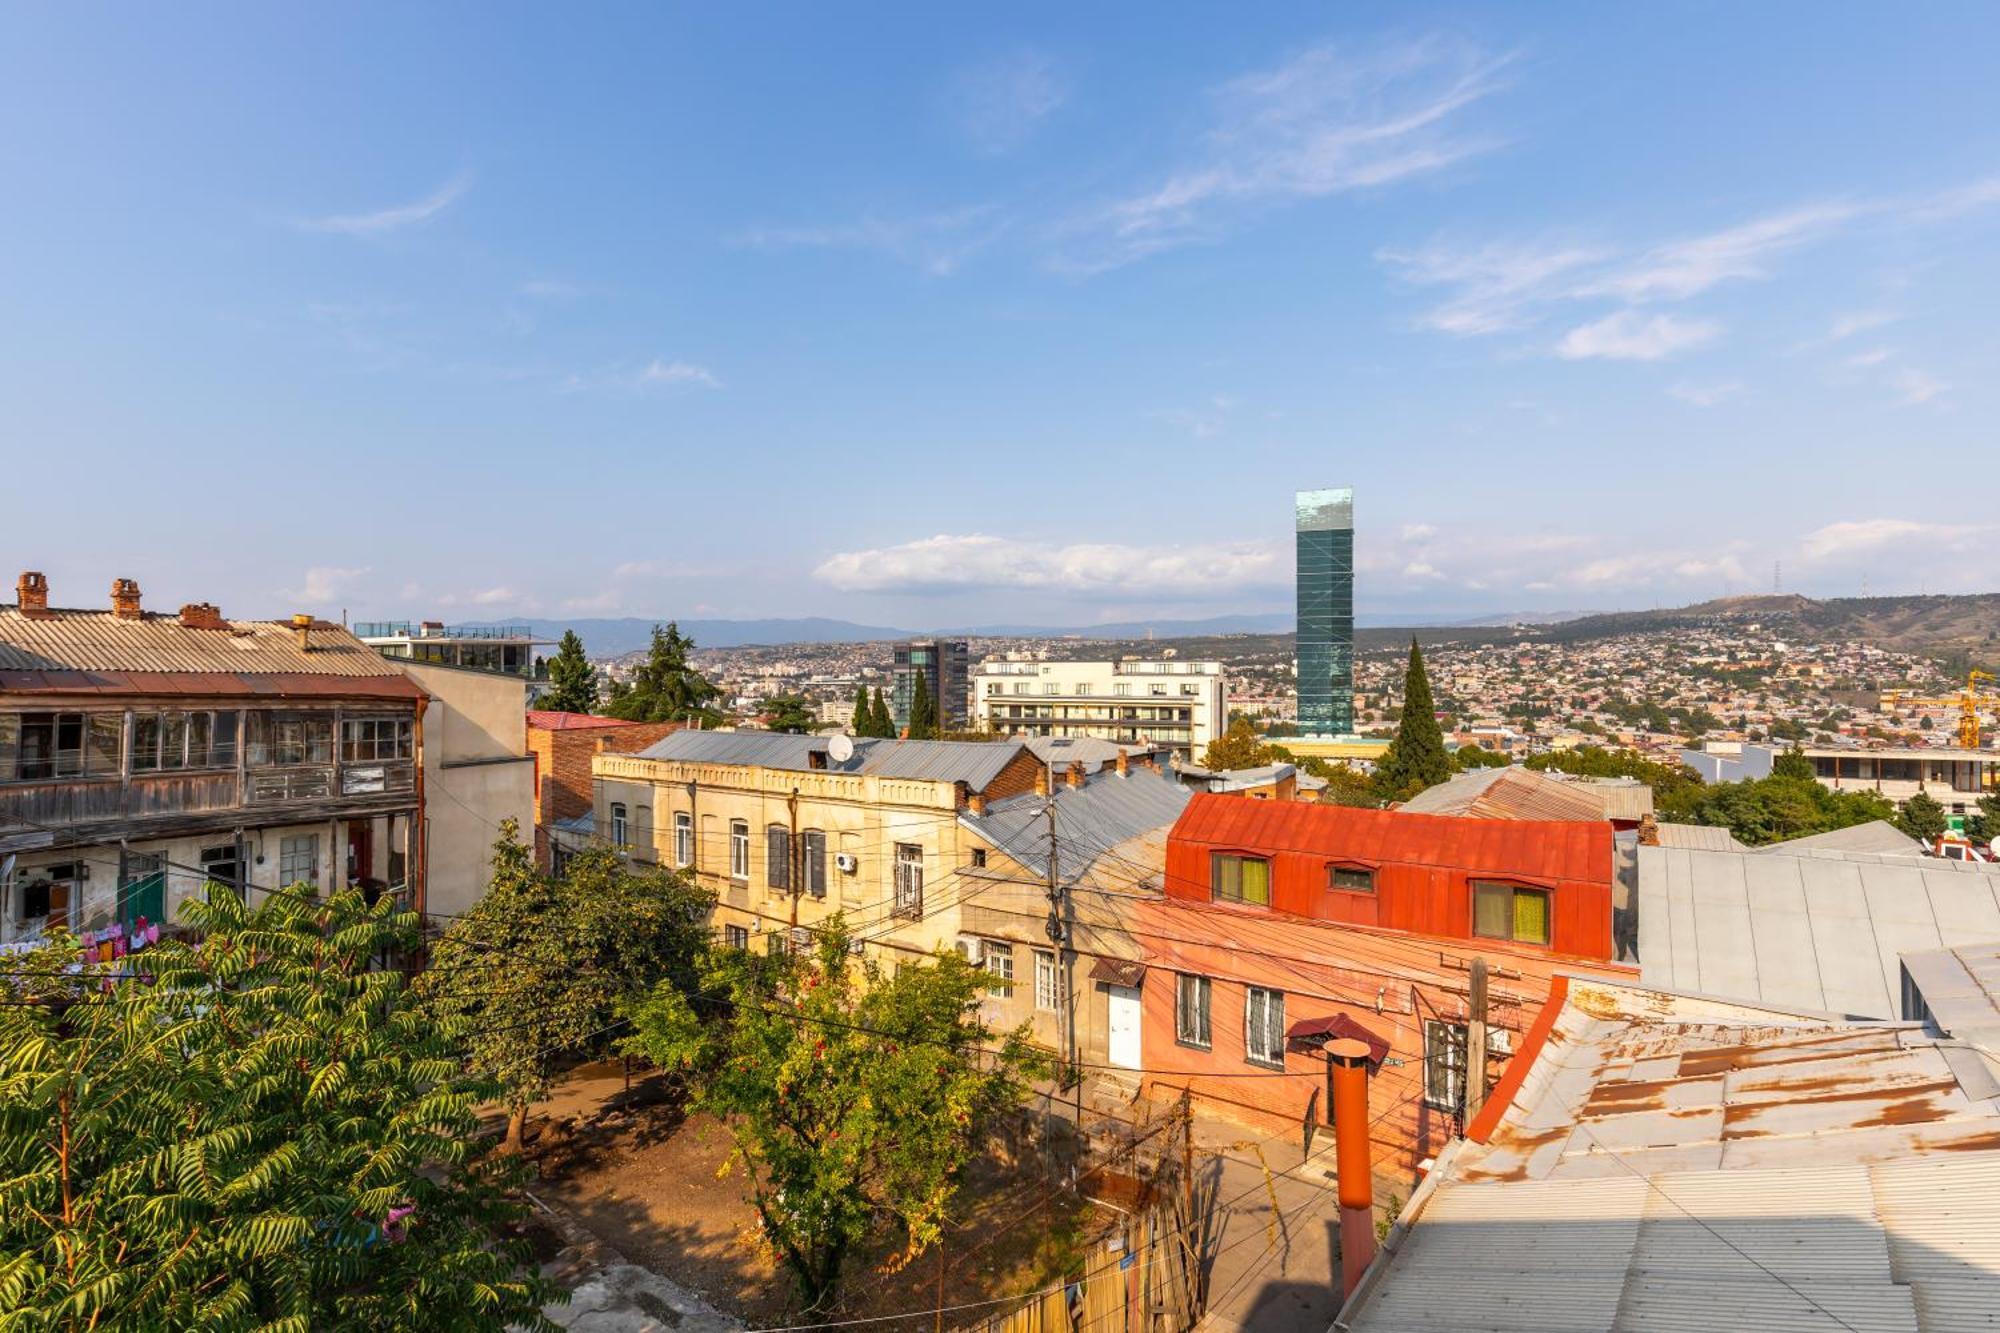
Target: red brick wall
x,y
1017,777
562,762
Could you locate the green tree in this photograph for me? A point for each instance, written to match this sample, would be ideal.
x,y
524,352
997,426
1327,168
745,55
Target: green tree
x,y
790,713
1416,758
572,679
1669,781
666,687
535,971
863,722
1922,818
1344,785
1793,763
855,1098
267,1134
923,712
1475,756
1238,747
885,722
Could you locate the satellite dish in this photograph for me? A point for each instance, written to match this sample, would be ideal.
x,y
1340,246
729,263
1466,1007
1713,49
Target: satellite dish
x,y
840,747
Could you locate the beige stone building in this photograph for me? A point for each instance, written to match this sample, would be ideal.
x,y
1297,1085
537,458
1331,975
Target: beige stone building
x,y
788,830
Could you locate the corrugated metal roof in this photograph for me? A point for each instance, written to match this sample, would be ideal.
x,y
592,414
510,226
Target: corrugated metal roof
x,y
97,641
1822,931
1508,793
1699,837
975,763
1877,835
1092,821
1678,1163
544,719
1092,752
1544,849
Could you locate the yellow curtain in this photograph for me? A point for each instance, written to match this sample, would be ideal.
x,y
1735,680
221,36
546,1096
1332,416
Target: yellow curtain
x,y
1531,916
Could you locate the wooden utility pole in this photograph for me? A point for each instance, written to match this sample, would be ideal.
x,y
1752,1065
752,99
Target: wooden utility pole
x,y
1475,1043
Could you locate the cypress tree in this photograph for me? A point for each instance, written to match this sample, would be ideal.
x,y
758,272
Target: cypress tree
x,y
863,723
923,716
883,724
1416,758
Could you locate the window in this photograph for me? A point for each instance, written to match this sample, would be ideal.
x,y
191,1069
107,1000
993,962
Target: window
x,y
993,687
1051,688
1083,691
369,740
1510,912
813,855
298,859
739,849
1190,690
620,823
1444,1065
910,880
1157,691
1020,687
1351,879
1264,1027
1241,879
998,960
1122,689
277,740
978,858
222,865
736,937
1191,1011
169,741
35,747
778,858
1048,991
683,838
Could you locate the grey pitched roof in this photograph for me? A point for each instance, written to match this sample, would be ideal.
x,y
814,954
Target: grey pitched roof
x,y
1092,752
1822,930
1877,835
1091,820
1704,837
975,763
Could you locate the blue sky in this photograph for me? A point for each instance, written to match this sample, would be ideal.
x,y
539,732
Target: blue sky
x,y
940,314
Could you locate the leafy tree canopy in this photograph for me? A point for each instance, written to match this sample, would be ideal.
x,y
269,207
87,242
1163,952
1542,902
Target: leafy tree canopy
x,y
1922,818
267,1134
1771,809
790,713
1239,747
1476,756
536,969
855,1097
666,687
572,679
1668,780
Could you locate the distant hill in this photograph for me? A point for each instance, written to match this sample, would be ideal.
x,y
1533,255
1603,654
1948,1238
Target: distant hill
x,y
630,634
1968,623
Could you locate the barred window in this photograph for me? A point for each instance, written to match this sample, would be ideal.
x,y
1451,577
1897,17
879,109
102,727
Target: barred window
x,y
1191,996
1264,1027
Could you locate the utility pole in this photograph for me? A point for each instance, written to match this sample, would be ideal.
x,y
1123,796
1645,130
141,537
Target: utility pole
x,y
1475,1044
1058,933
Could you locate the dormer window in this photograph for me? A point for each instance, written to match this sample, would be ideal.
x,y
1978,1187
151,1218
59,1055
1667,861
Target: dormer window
x,y
1235,878
1510,912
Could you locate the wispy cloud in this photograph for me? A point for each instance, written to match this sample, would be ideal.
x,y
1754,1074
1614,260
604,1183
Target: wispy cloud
x,y
1496,283
549,289
659,373
396,217
1914,387
1859,321
323,583
1681,269
956,563
1326,121
1630,336
1000,103
1850,538
1874,356
938,243
1705,395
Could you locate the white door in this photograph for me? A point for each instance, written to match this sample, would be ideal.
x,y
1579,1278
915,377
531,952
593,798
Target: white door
x,y
1125,1026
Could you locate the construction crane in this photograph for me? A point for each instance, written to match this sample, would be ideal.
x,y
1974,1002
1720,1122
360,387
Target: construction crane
x,y
1968,703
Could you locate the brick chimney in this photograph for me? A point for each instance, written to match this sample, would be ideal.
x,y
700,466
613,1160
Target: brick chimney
x,y
975,802
1649,830
302,625
125,600
203,615
1073,775
1354,1172
1041,780
1124,763
33,594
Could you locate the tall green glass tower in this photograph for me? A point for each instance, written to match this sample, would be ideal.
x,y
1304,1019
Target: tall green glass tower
x,y
1325,521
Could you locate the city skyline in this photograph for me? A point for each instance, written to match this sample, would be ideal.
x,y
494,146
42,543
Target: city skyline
x,y
1020,318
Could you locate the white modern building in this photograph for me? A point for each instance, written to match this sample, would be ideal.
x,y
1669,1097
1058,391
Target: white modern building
x,y
1953,777
1157,702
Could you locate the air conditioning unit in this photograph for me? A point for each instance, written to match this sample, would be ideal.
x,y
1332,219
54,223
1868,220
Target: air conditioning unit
x,y
970,949
846,863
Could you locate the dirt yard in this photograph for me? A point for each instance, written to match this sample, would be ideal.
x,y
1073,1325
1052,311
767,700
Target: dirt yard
x,y
644,1176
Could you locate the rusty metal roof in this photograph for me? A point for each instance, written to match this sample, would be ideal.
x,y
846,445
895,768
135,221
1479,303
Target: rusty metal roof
x,y
68,642
1512,793
1673,1162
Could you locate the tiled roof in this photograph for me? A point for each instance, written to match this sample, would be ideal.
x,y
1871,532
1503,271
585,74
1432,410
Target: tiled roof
x,y
97,641
1673,1162
1536,849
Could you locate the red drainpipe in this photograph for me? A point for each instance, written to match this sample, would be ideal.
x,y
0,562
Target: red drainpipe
x,y
1353,1169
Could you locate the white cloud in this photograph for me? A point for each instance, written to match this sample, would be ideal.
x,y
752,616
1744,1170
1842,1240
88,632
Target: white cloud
x,y
1681,269
1422,569
1874,356
1915,387
657,373
1861,536
1859,321
1496,282
550,289
1324,122
677,372
1000,103
938,243
1705,395
394,218
493,596
323,583
954,563
1418,532
1630,336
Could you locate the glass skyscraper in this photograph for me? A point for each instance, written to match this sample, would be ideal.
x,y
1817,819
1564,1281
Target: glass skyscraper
x,y
1325,521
